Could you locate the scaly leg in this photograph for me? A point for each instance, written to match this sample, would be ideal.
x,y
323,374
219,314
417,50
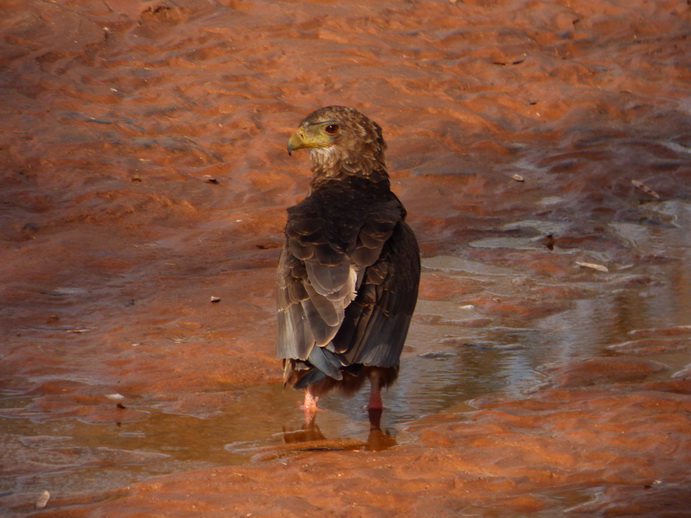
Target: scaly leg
x,y
375,380
309,407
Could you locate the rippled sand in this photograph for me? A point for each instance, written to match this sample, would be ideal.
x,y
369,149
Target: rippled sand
x,y
543,152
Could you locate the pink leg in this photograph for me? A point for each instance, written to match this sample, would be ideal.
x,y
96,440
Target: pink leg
x,y
375,402
310,405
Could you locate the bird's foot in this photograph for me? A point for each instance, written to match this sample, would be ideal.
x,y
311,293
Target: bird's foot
x,y
309,406
374,415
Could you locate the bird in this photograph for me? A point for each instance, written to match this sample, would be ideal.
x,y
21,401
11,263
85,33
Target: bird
x,y
349,270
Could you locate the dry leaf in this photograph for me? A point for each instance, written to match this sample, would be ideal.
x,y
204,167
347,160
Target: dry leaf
x,y
42,500
598,267
643,187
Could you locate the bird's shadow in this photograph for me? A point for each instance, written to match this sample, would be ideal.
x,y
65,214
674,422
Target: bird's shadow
x,y
309,437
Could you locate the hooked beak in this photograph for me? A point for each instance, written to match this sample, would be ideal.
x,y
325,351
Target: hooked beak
x,y
296,142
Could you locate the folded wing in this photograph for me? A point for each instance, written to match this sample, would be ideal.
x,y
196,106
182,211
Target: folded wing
x,y
347,281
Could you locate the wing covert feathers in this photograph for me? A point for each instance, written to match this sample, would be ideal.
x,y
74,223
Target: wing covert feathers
x,y
350,287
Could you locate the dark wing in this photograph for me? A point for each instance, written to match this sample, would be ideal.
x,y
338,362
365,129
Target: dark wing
x,y
316,279
376,323
347,279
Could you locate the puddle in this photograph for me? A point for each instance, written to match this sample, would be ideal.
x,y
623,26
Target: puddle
x,y
457,351
542,155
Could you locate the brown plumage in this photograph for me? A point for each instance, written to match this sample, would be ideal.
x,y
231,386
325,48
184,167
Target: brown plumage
x,y
350,266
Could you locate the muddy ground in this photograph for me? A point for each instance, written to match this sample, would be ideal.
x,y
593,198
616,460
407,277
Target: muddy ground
x,y
542,149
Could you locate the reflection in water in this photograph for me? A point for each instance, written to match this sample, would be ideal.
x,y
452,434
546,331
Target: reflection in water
x,y
310,438
378,440
444,366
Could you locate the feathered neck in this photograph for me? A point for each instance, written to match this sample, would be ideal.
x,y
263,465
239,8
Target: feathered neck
x,y
333,162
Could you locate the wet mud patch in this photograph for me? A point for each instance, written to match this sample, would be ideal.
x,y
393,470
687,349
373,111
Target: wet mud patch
x,y
531,454
543,155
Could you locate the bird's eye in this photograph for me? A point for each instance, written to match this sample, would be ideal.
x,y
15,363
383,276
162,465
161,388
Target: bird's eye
x,y
331,129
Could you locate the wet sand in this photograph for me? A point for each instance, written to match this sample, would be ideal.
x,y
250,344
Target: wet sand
x,y
542,151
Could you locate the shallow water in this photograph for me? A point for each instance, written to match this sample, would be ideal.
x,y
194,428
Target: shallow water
x,y
543,152
455,353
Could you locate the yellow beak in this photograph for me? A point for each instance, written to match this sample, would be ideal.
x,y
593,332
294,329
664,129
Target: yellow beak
x,y
295,142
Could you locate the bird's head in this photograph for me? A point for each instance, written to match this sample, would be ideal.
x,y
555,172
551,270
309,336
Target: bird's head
x,y
341,140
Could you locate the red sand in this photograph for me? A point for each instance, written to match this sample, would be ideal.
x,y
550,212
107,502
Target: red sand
x,y
143,163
